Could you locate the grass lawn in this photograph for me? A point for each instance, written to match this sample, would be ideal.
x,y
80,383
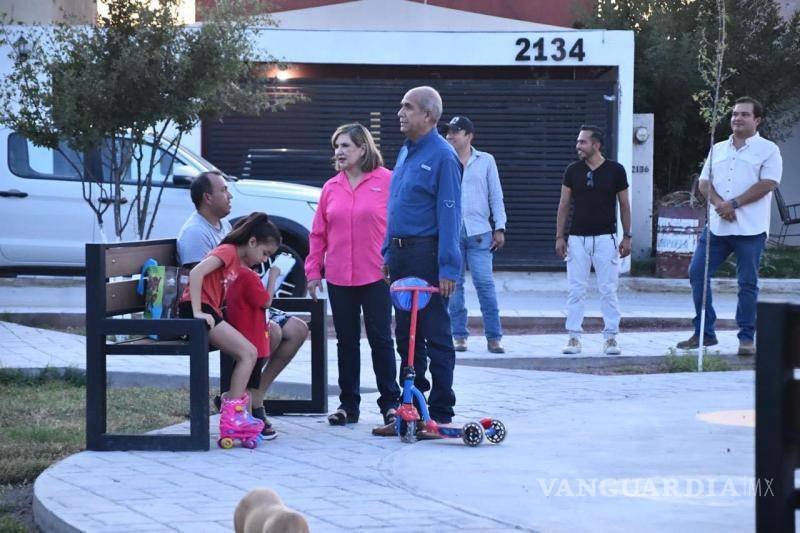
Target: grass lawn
x,y
776,262
42,420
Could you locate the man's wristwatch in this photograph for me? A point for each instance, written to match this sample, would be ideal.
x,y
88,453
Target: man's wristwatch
x,y
735,204
627,236
501,230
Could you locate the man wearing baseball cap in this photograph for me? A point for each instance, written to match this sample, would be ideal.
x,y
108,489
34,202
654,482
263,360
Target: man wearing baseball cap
x,y
481,197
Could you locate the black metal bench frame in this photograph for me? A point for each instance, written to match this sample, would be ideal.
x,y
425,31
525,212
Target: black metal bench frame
x,y
777,416
318,403
107,299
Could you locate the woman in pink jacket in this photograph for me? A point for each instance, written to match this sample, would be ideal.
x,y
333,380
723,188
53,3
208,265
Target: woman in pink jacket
x,y
345,248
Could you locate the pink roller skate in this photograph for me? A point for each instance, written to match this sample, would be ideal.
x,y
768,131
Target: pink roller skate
x,y
236,424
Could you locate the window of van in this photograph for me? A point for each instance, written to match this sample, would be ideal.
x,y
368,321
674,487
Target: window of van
x,y
27,160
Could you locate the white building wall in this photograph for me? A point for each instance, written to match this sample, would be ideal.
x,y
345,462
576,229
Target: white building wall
x,y
790,182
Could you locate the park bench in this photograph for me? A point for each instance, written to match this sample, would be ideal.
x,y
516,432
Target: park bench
x,y
777,416
111,298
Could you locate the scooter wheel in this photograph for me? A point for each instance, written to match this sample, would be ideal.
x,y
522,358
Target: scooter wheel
x,y
250,444
408,432
472,434
499,432
226,443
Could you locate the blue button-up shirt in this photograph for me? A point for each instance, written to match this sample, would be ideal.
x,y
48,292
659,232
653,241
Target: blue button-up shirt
x,y
425,199
481,195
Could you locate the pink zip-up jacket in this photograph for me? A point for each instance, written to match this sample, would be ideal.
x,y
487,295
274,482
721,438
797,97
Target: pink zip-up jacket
x,y
348,230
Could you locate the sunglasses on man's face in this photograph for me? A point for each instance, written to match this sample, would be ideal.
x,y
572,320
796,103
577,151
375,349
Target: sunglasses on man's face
x,y
590,179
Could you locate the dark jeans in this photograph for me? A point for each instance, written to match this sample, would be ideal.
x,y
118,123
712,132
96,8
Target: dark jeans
x,y
748,250
420,259
346,306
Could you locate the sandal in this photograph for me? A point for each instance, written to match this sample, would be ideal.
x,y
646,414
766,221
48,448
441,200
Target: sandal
x,y
389,417
341,418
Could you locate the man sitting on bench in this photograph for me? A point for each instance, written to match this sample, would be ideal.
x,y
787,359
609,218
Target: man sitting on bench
x,y
202,232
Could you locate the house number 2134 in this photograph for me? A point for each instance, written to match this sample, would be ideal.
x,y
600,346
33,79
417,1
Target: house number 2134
x,y
558,49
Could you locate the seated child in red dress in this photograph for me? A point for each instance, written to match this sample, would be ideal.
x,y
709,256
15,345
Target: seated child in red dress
x,y
248,301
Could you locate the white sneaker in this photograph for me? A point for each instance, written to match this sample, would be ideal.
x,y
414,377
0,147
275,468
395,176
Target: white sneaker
x,y
573,346
610,347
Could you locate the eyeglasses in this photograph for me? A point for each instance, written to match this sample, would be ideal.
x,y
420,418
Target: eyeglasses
x,y
590,179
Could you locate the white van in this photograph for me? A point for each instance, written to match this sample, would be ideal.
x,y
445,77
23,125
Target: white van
x,y
46,221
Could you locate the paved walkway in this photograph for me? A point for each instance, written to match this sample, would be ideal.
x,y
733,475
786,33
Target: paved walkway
x,y
584,453
26,347
520,294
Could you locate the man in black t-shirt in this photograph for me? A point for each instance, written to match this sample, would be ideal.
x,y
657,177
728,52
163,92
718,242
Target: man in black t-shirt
x,y
594,184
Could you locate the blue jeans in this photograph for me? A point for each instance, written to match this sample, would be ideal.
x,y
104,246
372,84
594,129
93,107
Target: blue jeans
x,y
420,259
748,250
475,250
346,306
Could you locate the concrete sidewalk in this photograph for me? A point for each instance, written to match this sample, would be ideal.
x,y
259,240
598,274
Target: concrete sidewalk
x,y
520,295
584,453
27,347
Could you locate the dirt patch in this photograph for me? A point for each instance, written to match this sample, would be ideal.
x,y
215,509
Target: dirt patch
x,y
603,366
16,507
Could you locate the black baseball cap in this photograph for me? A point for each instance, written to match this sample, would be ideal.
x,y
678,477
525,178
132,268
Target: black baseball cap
x,y
461,123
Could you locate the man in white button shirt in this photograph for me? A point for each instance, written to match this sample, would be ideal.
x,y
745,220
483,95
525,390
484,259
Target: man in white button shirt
x,y
481,197
746,168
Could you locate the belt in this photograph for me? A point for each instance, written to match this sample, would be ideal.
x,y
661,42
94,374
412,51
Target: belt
x,y
402,242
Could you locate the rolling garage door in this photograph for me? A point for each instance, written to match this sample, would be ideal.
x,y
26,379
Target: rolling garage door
x,y
529,125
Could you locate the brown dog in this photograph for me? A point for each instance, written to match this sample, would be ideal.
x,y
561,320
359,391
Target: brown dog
x,y
263,511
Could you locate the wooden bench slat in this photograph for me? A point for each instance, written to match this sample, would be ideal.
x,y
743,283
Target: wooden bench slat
x,y
149,349
121,297
128,260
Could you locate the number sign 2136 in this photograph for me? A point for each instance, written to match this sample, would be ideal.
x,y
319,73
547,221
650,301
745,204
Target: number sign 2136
x,y
556,47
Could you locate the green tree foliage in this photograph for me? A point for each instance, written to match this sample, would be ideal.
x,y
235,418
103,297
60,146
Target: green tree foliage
x,y
762,60
138,75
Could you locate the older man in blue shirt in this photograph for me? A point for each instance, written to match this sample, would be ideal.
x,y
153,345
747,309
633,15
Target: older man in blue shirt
x,y
423,224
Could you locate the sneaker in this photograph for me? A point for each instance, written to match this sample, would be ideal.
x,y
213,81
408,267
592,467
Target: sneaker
x,y
573,346
495,346
747,348
460,345
268,432
610,347
693,342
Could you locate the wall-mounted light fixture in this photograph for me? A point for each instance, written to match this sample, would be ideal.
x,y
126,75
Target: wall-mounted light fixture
x,y
283,73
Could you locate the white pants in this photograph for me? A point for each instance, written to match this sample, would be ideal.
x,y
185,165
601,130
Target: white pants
x,y
583,252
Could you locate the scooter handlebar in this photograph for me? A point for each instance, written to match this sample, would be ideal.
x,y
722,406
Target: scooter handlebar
x,y
417,289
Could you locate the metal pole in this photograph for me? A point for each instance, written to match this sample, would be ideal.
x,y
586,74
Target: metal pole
x,y
720,54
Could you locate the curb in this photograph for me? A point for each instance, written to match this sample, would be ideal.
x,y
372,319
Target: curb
x,y
577,364
44,518
557,282
554,323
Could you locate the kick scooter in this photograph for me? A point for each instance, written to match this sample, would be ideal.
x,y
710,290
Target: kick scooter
x,y
413,294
